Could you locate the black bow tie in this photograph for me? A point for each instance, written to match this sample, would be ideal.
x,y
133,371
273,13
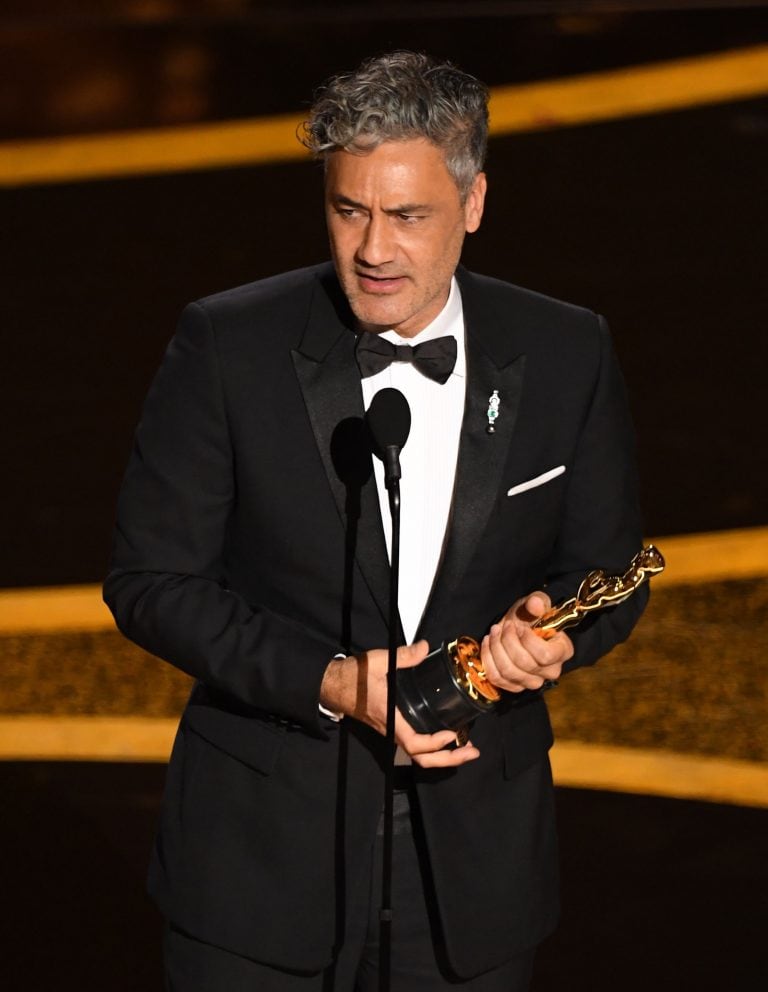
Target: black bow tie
x,y
435,359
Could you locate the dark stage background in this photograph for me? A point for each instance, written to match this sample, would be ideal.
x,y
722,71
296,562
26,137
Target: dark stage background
x,y
657,220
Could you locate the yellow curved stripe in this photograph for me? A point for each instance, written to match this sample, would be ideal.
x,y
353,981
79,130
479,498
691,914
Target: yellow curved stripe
x,y
53,608
600,96
85,738
132,153
643,89
660,773
576,765
712,557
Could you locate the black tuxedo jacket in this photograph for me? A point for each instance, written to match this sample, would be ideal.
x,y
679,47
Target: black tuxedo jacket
x,y
250,549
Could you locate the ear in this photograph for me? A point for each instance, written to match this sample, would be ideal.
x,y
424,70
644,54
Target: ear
x,y
473,205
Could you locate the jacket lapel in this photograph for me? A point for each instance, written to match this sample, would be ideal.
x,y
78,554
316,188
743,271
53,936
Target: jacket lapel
x,y
493,363
330,383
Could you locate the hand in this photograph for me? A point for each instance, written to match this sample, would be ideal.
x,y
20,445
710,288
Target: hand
x,y
357,687
516,658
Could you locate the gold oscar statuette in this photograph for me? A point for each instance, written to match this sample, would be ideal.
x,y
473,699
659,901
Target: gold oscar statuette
x,y
451,687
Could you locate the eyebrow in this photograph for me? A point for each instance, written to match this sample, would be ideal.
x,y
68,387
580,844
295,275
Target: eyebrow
x,y
404,208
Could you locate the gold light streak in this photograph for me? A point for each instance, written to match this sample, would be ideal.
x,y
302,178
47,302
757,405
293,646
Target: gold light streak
x,y
691,558
590,98
575,765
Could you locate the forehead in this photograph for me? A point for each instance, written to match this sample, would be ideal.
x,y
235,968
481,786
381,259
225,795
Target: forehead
x,y
393,168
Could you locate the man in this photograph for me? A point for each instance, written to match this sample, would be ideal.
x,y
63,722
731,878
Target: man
x,y
251,552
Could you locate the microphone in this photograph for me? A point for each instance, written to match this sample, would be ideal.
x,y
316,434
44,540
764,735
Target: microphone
x,y
389,423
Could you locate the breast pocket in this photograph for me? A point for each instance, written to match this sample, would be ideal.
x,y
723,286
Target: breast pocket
x,y
529,516
536,481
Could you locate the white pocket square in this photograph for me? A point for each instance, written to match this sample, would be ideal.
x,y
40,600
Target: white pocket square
x,y
539,480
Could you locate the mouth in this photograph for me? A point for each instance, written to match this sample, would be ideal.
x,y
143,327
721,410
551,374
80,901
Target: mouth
x,y
379,285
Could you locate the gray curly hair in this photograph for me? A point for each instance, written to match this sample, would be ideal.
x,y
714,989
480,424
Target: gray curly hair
x,y
399,96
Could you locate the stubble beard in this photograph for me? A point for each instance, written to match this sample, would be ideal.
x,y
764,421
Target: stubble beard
x,y
384,313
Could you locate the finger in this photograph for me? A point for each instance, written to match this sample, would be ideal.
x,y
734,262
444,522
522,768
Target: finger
x,y
419,746
492,665
534,605
514,665
552,651
568,646
412,654
538,602
448,759
510,655
414,743
493,655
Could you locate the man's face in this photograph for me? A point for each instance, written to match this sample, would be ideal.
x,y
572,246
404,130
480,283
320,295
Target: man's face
x,y
396,225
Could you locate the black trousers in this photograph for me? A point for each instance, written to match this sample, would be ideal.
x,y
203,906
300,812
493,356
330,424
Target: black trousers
x,y
418,962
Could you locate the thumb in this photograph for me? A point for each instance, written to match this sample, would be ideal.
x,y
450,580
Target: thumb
x,y
537,604
412,654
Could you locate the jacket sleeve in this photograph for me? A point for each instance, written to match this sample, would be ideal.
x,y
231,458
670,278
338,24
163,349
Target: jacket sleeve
x,y
166,587
601,526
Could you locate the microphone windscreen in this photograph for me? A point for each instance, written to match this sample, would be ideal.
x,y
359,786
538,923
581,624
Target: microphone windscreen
x,y
389,418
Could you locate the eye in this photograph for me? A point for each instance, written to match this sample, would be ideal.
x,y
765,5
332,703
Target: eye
x,y
410,218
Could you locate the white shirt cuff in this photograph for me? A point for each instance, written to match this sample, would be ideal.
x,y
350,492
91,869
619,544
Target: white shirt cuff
x,y
336,717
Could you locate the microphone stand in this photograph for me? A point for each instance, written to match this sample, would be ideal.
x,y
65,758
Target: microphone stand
x,y
392,482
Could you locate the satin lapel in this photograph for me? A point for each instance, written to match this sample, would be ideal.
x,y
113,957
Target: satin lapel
x,y
330,383
482,456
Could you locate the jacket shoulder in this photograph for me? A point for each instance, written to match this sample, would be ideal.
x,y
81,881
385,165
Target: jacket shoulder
x,y
510,320
534,308
270,291
274,308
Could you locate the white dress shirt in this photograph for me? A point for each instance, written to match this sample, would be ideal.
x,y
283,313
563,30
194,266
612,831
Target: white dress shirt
x,y
427,460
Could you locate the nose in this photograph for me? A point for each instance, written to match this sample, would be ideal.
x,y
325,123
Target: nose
x,y
377,246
